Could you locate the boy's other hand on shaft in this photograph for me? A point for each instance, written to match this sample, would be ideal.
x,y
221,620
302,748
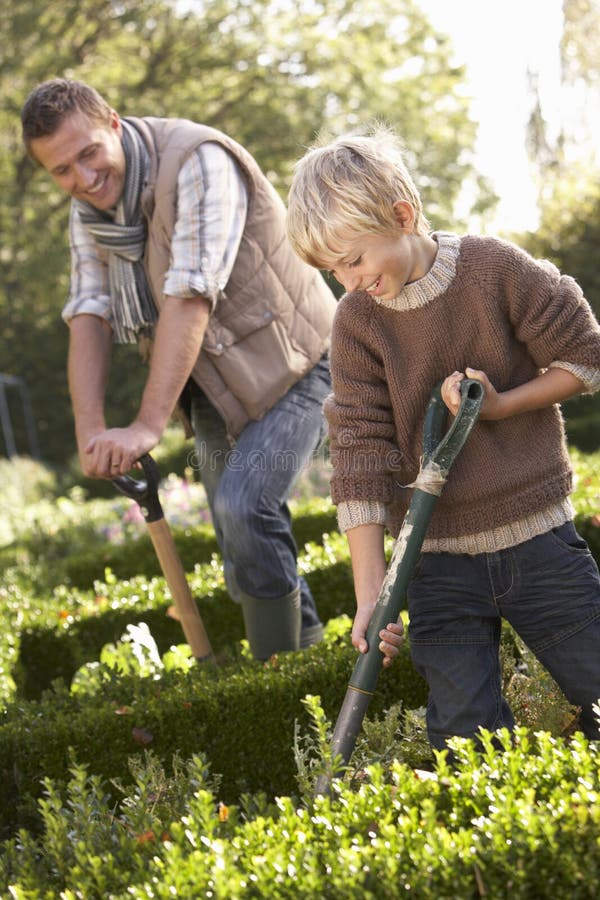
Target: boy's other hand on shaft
x,y
392,637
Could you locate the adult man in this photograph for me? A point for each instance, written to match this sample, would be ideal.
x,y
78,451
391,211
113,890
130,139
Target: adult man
x,y
177,235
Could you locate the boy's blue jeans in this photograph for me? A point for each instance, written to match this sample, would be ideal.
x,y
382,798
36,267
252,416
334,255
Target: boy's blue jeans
x,y
248,487
548,588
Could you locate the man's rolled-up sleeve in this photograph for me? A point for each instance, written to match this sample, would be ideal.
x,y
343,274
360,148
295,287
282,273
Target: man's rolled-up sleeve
x,y
212,201
89,292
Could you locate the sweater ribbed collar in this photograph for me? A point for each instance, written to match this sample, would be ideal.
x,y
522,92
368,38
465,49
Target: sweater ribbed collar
x,y
435,282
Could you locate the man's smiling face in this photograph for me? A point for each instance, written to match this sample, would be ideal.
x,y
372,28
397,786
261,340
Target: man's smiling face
x,y
85,158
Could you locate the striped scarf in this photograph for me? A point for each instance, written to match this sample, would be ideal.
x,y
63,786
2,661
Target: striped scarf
x,y
124,236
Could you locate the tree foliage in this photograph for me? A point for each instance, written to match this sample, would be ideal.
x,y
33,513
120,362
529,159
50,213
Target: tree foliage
x,y
270,73
580,40
569,177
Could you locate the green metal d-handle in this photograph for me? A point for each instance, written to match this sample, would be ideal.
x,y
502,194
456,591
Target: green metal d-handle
x,y
438,455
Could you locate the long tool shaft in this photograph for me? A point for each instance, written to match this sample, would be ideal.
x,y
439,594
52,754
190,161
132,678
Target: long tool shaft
x,y
438,456
185,605
145,493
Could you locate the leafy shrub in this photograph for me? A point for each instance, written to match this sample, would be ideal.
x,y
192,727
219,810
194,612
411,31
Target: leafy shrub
x,y
586,498
23,482
586,493
100,816
225,713
520,822
70,626
195,544
128,698
74,539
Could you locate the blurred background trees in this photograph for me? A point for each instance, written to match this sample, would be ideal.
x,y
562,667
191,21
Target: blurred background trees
x,y
272,74
568,171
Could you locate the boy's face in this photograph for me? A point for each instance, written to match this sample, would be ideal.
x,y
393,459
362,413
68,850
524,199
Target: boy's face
x,y
85,158
382,264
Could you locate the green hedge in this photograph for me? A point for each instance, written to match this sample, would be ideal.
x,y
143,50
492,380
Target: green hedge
x,y
73,625
520,823
240,715
78,556
84,776
51,647
194,545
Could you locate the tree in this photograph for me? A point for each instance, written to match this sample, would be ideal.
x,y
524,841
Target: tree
x,y
581,36
270,73
569,176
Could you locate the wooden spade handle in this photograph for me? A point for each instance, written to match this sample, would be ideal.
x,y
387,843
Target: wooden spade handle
x,y
145,493
187,611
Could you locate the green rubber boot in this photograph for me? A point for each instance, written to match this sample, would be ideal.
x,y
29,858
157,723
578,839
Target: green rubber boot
x,y
272,624
313,634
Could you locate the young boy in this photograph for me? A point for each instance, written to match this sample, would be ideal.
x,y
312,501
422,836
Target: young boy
x,y
423,307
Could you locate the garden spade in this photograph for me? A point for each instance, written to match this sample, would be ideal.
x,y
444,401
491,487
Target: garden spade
x,y
145,493
439,453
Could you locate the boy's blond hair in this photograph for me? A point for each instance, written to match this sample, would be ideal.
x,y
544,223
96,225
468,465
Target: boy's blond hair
x,y
345,188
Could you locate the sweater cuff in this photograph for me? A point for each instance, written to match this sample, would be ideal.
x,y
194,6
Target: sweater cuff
x,y
589,376
352,513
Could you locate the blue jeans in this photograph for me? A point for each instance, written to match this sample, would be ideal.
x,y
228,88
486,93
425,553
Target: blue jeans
x,y
248,486
548,588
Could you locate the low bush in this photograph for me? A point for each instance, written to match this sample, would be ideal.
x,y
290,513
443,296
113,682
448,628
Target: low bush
x,y
24,482
129,775
73,539
240,715
132,699
194,545
519,821
68,627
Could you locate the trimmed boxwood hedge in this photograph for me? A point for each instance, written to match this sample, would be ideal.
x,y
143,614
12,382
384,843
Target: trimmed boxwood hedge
x,y
241,716
515,822
194,545
55,648
522,822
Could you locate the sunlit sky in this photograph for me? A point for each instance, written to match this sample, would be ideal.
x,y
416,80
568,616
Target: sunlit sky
x,y
498,42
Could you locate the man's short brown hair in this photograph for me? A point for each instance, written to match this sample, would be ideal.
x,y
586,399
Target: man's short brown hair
x,y
51,102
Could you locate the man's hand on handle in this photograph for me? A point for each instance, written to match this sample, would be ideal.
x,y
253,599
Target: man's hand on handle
x,y
116,450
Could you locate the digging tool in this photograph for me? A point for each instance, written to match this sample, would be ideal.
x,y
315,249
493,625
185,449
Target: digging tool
x,y
145,493
439,454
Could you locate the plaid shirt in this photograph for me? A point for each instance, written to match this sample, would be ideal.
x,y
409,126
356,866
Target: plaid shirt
x,y
212,201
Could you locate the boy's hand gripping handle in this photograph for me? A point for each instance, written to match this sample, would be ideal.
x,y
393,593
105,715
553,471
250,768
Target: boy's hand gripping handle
x,y
145,493
439,453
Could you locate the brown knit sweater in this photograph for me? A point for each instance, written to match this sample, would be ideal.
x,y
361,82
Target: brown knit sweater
x,y
488,305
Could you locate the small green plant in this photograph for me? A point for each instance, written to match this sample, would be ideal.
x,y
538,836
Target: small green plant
x,y
157,798
135,654
312,751
398,734
536,700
